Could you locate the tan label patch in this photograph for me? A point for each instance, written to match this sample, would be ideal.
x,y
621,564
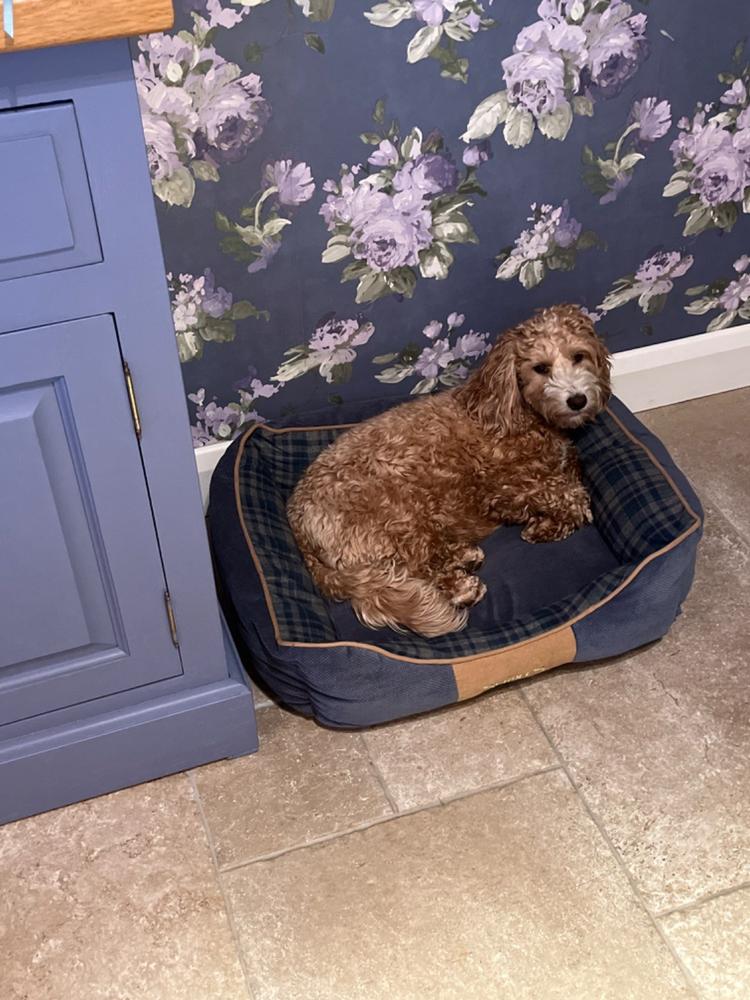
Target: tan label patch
x,y
481,673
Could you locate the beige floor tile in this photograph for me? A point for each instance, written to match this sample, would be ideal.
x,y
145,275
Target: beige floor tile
x,y
709,440
304,783
660,742
713,941
459,749
510,893
113,899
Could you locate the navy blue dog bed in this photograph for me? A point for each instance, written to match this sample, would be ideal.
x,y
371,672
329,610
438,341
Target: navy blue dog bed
x,y
611,587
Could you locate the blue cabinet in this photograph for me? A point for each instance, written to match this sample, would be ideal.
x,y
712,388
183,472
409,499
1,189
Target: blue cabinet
x,y
114,667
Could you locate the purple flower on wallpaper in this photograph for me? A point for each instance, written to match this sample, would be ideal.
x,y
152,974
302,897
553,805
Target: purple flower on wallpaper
x,y
214,423
433,11
550,243
617,44
384,155
608,176
712,160
216,300
429,174
443,362
651,283
477,153
736,95
213,112
217,16
204,312
293,182
397,221
535,81
442,23
730,296
652,117
330,350
388,232
560,64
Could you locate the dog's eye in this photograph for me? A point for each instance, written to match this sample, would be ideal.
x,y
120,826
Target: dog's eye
x,y
541,369
578,358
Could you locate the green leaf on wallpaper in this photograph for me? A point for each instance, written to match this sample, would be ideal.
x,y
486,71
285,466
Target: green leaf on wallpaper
x,y
253,52
378,113
393,375
315,42
177,189
458,31
655,304
696,290
451,66
356,269
724,216
676,185
588,239
371,138
335,400
738,51
746,201
244,309
384,359
203,67
371,287
531,273
220,330
401,281
519,127
630,159
222,223
583,106
274,226
487,115
341,373
388,15
423,42
412,144
435,262
204,171
722,320
455,228
698,220
336,249
556,124
320,10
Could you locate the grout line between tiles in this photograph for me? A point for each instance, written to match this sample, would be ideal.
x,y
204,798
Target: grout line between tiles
x,y
691,984
217,871
379,774
709,897
382,820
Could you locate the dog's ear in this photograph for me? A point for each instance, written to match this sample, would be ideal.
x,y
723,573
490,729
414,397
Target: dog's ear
x,y
491,394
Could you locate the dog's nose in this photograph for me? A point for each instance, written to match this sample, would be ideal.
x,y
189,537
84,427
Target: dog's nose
x,y
577,402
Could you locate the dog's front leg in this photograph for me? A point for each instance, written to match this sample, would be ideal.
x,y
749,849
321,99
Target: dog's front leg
x,y
557,511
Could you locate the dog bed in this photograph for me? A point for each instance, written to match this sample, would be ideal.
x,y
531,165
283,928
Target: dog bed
x,y
609,588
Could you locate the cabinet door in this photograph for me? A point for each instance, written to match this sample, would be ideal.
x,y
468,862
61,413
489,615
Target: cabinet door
x,y
82,590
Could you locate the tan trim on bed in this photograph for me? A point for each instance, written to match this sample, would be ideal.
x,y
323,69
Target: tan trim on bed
x,y
546,651
477,659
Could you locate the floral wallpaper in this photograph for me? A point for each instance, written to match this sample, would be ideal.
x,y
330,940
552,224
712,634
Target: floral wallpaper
x,y
355,198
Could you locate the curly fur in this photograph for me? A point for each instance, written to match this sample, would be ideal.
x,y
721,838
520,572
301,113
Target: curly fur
x,y
390,514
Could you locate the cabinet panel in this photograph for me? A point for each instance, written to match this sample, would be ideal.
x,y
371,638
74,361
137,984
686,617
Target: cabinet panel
x,y
48,218
82,611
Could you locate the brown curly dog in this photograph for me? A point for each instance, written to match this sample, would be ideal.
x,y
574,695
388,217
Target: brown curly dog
x,y
390,514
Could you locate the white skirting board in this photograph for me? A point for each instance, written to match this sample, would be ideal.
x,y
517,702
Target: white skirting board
x,y
644,378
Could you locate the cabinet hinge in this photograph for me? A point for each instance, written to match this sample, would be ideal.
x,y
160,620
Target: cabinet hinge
x,y
132,400
171,618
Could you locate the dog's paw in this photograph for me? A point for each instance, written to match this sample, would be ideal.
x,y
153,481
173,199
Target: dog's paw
x,y
468,591
472,558
547,529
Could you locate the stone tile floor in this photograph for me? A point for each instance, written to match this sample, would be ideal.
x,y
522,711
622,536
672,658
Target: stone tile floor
x,y
583,835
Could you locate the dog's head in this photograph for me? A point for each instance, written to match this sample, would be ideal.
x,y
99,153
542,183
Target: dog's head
x,y
553,363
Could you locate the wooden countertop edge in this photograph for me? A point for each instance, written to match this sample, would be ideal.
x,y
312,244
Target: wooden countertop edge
x,y
44,23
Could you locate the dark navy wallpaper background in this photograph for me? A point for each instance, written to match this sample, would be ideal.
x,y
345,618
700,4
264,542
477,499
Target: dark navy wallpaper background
x,y
354,198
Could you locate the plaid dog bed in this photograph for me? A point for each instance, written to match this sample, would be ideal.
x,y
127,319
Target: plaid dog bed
x,y
612,586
